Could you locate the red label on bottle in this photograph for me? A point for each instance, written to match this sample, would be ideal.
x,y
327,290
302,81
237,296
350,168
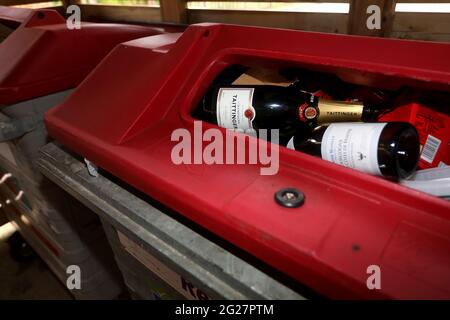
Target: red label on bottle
x,y
306,112
249,113
310,113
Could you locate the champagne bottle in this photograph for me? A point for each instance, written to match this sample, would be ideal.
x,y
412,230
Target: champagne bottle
x,y
386,149
329,85
253,107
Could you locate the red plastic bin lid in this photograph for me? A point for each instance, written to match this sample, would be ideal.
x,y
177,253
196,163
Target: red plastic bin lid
x,y
350,220
43,56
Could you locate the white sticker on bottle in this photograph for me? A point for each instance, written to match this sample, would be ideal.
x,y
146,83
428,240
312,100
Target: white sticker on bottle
x,y
353,145
234,108
430,149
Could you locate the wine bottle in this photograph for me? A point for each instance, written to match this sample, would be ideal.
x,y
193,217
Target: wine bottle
x,y
389,149
253,107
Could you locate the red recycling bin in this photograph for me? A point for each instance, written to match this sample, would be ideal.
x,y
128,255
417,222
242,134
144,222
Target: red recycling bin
x,y
41,61
147,88
42,55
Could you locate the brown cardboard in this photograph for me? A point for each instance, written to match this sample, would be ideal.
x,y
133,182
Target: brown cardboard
x,y
259,76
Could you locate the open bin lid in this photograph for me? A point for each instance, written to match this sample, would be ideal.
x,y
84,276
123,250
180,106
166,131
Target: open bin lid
x,y
42,56
147,88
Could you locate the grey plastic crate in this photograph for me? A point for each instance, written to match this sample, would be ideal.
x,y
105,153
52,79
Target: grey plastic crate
x,y
160,257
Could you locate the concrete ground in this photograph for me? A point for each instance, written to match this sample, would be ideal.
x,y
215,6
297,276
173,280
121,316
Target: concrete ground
x,y
27,280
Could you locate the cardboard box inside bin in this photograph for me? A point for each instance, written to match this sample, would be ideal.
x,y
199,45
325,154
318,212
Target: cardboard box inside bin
x,y
260,76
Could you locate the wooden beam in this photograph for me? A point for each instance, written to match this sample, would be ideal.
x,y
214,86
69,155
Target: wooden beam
x,y
340,1
173,11
18,2
125,14
358,16
424,1
322,22
67,3
424,26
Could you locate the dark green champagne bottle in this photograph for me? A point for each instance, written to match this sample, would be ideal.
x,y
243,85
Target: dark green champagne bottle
x,y
254,107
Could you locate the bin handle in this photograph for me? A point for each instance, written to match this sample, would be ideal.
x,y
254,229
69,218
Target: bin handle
x,y
14,128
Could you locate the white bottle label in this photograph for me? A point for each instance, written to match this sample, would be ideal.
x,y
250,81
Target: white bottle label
x,y
353,145
234,108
